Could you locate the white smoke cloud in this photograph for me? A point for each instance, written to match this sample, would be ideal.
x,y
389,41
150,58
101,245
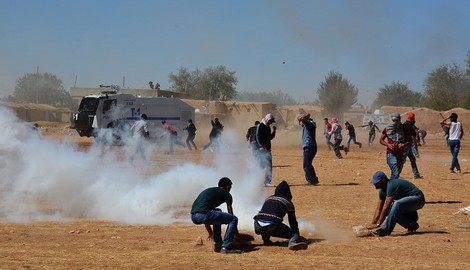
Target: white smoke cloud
x,y
45,179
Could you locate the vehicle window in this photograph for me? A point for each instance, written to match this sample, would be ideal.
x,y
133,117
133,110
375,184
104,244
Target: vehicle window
x,y
88,105
108,105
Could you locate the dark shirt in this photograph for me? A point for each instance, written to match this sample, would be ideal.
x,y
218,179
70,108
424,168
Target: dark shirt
x,y
216,129
209,199
251,134
351,130
264,136
399,188
191,128
411,128
277,206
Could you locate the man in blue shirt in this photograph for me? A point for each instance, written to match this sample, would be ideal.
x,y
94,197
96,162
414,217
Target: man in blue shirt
x,y
399,201
309,146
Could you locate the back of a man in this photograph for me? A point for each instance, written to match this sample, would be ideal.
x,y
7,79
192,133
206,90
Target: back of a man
x,y
268,222
204,211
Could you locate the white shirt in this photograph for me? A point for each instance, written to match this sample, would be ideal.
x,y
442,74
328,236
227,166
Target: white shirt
x,y
454,131
139,128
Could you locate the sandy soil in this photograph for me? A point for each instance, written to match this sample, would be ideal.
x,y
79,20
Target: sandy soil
x,y
342,200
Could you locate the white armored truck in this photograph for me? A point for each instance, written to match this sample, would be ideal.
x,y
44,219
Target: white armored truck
x,y
112,111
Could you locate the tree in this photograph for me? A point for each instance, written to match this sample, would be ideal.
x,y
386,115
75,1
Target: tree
x,y
468,63
215,83
185,81
44,88
277,97
447,87
336,94
397,94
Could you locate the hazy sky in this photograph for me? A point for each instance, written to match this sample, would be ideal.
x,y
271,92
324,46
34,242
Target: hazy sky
x,y
271,45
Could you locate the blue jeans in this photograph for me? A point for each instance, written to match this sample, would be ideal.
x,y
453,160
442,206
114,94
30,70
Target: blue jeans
x,y
309,154
454,146
409,153
352,138
337,147
396,165
266,161
328,141
404,212
216,218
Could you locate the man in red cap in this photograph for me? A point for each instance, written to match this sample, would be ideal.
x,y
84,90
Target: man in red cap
x,y
412,139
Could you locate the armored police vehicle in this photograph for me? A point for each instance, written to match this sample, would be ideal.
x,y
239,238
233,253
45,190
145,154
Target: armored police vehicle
x,y
111,111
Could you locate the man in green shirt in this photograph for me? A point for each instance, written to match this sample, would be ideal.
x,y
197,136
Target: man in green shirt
x,y
399,200
205,211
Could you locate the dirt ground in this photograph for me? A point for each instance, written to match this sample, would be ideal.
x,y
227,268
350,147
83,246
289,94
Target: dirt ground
x,y
343,199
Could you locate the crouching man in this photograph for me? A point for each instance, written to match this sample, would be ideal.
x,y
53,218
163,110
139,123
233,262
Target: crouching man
x,y
204,211
399,201
268,222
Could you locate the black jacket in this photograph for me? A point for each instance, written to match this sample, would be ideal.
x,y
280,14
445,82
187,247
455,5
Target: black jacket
x,y
277,206
264,136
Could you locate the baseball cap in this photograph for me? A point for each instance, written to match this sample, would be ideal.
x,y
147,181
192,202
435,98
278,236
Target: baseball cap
x,y
395,116
379,175
411,116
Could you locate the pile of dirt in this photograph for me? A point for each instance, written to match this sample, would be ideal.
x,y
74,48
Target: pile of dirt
x,y
428,119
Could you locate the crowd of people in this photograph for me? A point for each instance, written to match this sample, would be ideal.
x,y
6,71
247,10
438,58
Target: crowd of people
x,y
399,199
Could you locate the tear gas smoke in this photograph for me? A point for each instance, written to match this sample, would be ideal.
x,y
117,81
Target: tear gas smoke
x,y
49,180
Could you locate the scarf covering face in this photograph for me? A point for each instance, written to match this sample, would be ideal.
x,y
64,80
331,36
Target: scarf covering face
x,y
266,119
395,132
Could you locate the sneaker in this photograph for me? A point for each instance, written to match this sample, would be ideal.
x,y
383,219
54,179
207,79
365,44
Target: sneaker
x,y
458,171
451,171
268,185
267,242
298,246
413,227
313,182
346,150
225,250
418,176
380,232
360,145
